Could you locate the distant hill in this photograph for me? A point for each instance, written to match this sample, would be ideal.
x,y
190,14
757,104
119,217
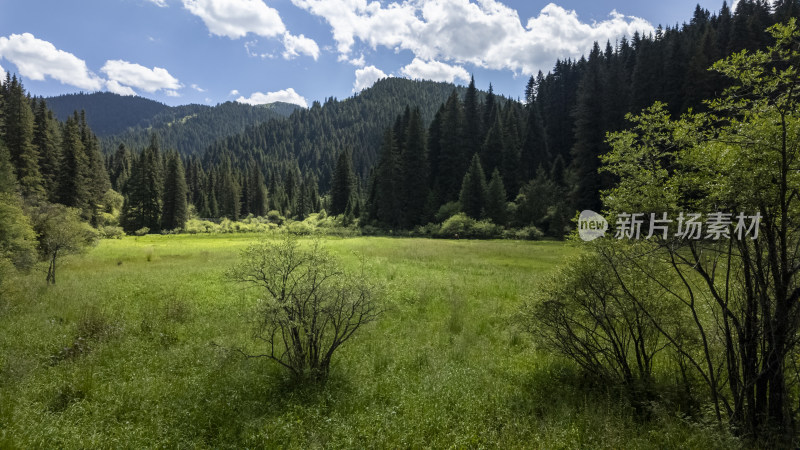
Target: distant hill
x,y
311,139
190,128
107,113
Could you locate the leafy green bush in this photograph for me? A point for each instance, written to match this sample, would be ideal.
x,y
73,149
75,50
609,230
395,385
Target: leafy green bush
x,y
111,232
462,226
141,231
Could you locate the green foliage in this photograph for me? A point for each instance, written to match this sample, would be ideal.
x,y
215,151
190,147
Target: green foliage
x,y
496,209
308,305
473,190
343,185
60,232
175,209
461,226
17,238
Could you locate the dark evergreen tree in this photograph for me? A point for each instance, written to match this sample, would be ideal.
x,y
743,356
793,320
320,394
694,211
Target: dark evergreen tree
x,y
534,146
175,210
473,190
496,200
18,130
473,126
46,141
73,186
589,135
452,160
120,168
142,207
413,189
385,206
343,186
493,146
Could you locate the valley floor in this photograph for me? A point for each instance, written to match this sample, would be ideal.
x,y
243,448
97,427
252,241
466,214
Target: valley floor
x,y
130,350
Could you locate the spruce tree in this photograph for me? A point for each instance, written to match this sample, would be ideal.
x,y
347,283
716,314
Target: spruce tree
x,y
413,189
452,159
496,200
386,206
343,185
18,131
175,208
46,141
473,131
494,146
143,194
473,190
72,177
589,135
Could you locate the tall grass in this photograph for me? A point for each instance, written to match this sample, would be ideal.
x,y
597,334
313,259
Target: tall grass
x,y
149,320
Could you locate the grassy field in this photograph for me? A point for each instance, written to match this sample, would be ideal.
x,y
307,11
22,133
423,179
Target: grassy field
x,y
129,350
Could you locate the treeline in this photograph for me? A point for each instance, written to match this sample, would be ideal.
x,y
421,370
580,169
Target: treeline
x,y
537,161
161,190
475,156
52,161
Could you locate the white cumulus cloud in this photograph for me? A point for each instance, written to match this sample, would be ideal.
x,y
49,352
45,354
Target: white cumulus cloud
x,y
116,88
236,18
234,92
296,45
198,88
434,70
284,95
487,33
159,3
366,77
129,74
37,59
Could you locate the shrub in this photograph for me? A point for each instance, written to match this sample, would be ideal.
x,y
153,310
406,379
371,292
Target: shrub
x,y
141,231
309,306
111,232
275,217
456,226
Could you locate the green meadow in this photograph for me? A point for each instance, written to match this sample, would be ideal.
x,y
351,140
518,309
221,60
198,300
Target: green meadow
x,y
132,348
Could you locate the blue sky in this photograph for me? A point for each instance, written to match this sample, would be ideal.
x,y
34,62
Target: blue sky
x,y
258,51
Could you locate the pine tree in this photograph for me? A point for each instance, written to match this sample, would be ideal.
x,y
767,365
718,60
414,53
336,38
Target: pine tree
x,y
473,126
452,160
142,208
413,190
473,190
18,133
494,146
175,208
72,177
385,206
120,168
534,151
589,135
96,174
343,185
45,140
258,193
512,147
496,200
228,194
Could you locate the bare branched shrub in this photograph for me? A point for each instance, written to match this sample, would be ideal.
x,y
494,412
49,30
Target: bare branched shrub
x,y
309,305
